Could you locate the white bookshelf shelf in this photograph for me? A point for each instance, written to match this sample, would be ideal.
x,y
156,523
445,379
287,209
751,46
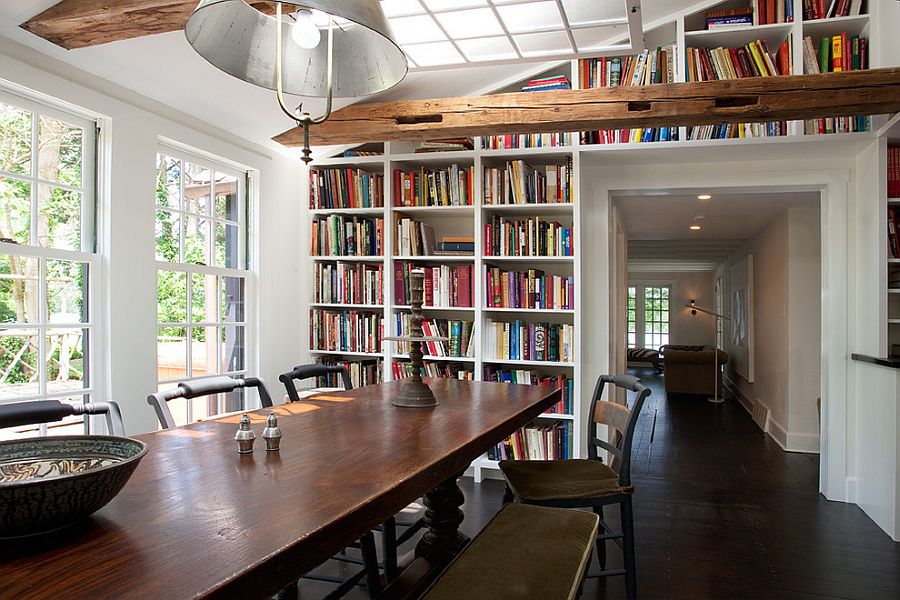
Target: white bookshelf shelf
x,y
529,209
348,306
853,25
447,308
731,37
347,211
449,258
527,363
434,158
536,311
348,258
540,259
462,359
461,210
341,353
349,161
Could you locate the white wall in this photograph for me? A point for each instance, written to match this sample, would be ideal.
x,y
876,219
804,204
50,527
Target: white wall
x,y
685,328
132,126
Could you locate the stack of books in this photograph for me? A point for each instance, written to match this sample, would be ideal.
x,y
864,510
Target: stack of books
x,y
893,173
445,286
525,140
456,245
413,238
528,377
349,283
520,183
461,334
646,68
337,235
836,53
362,373
520,340
529,289
345,330
345,188
403,369
729,17
546,441
816,9
526,237
354,153
543,84
452,186
447,145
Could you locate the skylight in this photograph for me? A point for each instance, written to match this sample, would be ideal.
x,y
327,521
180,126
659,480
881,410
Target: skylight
x,y
446,33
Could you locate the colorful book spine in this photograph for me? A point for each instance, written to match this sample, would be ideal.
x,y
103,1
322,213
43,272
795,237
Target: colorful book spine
x,y
445,285
339,235
349,283
523,340
529,289
533,236
345,330
402,369
520,183
539,441
453,186
459,332
345,188
836,53
362,372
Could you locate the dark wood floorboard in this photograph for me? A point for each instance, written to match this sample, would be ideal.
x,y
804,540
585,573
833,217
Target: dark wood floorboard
x,y
721,512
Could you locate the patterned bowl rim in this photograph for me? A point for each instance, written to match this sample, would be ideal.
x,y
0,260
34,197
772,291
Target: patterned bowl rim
x,y
144,448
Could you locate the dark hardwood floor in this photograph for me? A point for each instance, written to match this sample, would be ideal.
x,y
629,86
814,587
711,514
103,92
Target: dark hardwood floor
x,y
721,512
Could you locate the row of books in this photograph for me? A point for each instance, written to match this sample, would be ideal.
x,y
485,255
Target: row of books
x,y
525,140
452,186
738,130
893,172
750,60
529,289
460,333
460,144
538,441
349,283
445,285
816,9
339,235
413,238
362,372
767,12
741,16
646,68
402,369
840,52
532,236
520,183
522,340
552,82
345,188
893,223
345,330
529,377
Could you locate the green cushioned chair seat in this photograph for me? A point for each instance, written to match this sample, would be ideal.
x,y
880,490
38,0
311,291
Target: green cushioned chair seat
x,y
525,551
536,480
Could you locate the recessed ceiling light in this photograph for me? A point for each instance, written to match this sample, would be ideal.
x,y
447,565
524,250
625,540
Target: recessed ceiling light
x,y
704,197
695,228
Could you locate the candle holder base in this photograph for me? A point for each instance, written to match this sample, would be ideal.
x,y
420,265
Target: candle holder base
x,y
415,394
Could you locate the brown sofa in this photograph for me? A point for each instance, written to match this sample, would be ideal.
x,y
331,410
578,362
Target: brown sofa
x,y
691,370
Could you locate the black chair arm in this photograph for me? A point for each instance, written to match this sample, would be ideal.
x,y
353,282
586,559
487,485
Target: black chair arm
x,y
265,400
30,413
206,387
302,372
628,382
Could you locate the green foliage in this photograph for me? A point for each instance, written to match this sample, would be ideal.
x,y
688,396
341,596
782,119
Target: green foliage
x,y
9,348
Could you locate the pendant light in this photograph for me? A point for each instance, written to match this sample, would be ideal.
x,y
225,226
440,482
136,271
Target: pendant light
x,y
316,48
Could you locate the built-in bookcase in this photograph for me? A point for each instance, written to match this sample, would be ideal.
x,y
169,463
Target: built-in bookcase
x,y
891,173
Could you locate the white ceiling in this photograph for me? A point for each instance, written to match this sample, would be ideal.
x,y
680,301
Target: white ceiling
x,y
164,68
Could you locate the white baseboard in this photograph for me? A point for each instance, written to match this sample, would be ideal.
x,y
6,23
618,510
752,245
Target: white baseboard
x,y
776,432
807,443
850,490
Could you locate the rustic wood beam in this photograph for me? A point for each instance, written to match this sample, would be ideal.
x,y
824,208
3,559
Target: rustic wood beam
x,y
82,23
875,91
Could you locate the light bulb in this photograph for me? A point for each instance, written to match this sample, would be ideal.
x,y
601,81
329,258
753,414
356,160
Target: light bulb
x,y
304,32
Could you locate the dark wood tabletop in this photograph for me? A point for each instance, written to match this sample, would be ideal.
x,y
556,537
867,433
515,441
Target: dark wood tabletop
x,y
199,520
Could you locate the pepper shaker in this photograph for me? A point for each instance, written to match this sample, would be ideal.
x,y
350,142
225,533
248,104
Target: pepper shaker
x,y
245,436
272,434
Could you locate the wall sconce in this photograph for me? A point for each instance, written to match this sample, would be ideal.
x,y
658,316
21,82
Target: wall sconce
x,y
693,307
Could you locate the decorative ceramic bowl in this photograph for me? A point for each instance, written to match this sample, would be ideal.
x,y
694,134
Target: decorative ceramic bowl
x,y
48,483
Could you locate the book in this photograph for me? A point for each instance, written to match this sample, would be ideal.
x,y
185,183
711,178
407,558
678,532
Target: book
x,y
532,236
345,188
339,235
413,238
445,285
345,330
348,283
529,289
520,340
362,372
538,441
458,331
520,183
451,186
835,53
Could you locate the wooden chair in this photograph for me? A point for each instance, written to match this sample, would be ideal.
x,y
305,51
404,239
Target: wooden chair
x,y
589,483
389,539
221,384
18,414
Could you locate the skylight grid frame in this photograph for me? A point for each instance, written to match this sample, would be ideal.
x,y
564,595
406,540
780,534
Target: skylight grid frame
x,y
632,20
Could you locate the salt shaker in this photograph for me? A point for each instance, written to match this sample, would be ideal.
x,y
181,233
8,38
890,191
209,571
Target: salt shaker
x,y
245,436
272,434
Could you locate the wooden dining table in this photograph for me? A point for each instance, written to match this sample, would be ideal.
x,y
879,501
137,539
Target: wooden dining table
x,y
197,519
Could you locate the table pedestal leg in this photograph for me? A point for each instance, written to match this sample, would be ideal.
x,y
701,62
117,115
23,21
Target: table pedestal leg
x,y
442,540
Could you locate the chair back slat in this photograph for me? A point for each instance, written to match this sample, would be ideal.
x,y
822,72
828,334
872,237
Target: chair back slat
x,y
612,414
210,386
620,418
302,372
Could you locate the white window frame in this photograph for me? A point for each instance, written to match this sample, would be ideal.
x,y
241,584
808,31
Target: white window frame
x,y
640,312
87,254
245,180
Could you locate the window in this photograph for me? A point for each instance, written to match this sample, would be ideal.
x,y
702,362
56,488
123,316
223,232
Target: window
x,y
647,316
202,278
48,262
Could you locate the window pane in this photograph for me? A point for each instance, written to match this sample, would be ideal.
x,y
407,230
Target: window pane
x,y
168,235
203,298
66,357
19,290
232,339
171,354
19,371
203,351
15,209
232,295
59,218
197,186
196,236
15,140
171,297
226,197
227,246
168,182
67,291
59,151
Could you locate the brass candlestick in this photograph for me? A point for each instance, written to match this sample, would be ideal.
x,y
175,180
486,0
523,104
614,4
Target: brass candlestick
x,y
415,393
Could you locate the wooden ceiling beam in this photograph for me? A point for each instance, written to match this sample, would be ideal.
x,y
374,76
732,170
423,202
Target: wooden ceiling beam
x,y
875,91
82,23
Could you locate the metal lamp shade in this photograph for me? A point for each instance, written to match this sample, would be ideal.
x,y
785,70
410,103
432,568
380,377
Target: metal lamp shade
x,y
240,40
